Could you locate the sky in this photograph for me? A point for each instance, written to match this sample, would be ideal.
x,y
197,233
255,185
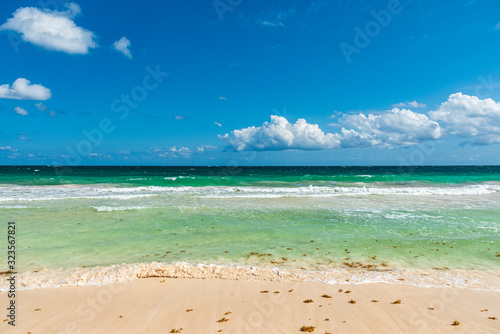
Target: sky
x,y
239,82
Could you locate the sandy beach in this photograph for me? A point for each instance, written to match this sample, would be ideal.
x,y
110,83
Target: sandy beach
x,y
172,305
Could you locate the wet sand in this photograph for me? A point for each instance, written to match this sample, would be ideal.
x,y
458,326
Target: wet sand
x,y
174,305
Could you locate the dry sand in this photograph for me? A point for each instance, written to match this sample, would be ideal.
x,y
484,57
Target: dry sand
x,y
157,305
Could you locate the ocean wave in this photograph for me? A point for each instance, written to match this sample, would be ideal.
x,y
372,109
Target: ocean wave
x,y
118,208
471,279
50,193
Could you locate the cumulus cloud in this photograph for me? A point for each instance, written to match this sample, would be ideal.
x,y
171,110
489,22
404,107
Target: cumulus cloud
x,y
468,116
218,124
222,98
461,116
21,111
52,30
409,104
122,45
280,134
22,89
392,128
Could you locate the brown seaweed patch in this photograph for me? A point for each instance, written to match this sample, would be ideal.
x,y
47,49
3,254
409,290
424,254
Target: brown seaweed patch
x,y
455,323
397,302
258,254
326,296
362,265
307,329
308,301
8,272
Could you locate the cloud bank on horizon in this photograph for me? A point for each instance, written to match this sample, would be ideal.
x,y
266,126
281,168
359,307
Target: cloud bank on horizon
x,y
460,116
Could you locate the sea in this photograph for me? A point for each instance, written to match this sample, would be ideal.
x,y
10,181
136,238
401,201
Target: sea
x,y
435,226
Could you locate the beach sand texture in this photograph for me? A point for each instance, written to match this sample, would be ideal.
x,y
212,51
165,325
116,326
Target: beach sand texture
x,y
159,305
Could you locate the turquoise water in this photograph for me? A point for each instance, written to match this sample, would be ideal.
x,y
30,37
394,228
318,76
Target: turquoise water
x,y
290,217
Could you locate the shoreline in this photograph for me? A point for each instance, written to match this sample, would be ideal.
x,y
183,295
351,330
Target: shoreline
x,y
159,305
355,274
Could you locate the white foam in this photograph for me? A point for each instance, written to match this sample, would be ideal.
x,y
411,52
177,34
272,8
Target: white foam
x,y
119,208
471,279
52,193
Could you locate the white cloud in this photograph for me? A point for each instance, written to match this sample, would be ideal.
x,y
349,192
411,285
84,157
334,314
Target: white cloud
x,y
22,89
497,26
468,116
21,111
203,148
179,117
392,128
271,24
182,152
173,152
41,106
280,134
218,124
389,129
52,30
222,98
123,45
409,104
460,116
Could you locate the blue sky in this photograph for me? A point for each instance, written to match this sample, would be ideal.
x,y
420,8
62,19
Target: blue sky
x,y
374,82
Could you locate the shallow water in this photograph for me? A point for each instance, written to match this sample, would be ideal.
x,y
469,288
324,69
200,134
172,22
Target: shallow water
x,y
297,218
